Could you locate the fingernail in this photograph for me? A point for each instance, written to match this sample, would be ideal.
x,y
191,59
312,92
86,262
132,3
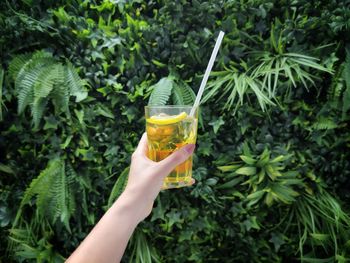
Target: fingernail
x,y
189,148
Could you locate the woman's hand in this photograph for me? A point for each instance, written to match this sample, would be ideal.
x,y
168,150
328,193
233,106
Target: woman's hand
x,y
146,176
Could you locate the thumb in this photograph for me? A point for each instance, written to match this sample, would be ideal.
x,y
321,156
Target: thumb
x,y
176,158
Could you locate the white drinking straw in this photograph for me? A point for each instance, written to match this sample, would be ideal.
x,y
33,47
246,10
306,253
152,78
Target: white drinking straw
x,y
207,72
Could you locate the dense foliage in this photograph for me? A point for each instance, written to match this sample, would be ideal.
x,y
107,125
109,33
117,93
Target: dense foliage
x,y
272,162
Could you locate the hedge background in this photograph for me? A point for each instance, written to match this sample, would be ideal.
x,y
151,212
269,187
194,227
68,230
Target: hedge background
x,y
272,162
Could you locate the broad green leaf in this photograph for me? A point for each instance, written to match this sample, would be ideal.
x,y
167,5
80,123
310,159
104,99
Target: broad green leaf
x,y
230,184
261,176
269,199
104,111
264,158
283,193
246,170
278,240
211,181
80,115
280,158
272,172
251,223
229,168
247,159
217,124
6,169
256,195
158,63
319,236
66,142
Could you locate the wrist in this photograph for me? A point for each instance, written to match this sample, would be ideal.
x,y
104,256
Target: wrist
x,y
127,207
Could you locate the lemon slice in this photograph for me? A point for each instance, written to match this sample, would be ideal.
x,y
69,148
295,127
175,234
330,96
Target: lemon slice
x,y
164,120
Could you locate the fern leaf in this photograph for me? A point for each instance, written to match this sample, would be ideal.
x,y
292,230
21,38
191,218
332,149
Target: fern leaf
x,y
47,77
40,77
118,186
71,178
62,194
182,94
37,109
177,95
41,54
324,124
45,191
54,197
188,94
26,79
60,93
38,60
337,85
161,91
24,90
75,83
41,184
17,63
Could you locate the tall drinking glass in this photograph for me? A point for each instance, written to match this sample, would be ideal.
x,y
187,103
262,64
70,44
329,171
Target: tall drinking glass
x,y
169,128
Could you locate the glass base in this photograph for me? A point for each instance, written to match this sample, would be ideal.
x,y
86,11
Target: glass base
x,y
177,184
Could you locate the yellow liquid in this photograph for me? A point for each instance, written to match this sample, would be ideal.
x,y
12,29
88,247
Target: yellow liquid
x,y
164,140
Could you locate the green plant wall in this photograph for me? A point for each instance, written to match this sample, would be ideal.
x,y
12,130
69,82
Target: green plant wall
x,y
272,162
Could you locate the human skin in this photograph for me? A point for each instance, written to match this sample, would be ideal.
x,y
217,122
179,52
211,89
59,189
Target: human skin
x,y
108,239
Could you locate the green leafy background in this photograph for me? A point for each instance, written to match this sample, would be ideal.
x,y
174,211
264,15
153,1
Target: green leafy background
x,y
272,163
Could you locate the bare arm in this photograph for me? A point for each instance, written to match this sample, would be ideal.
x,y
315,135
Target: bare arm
x,y
108,239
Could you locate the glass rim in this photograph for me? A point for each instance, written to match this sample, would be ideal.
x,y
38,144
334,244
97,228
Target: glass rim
x,y
168,106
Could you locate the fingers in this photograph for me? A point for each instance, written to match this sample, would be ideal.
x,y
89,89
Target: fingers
x,y
193,181
142,147
176,158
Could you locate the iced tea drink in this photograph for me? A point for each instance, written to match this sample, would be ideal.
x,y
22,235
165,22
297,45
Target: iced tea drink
x,y
168,129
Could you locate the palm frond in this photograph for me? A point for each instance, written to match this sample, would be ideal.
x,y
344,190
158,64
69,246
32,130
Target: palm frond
x,y
255,86
320,217
235,87
161,91
142,252
213,86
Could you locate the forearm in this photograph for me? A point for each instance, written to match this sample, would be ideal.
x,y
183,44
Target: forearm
x,y
109,238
